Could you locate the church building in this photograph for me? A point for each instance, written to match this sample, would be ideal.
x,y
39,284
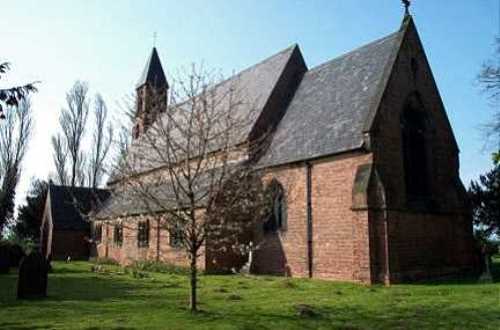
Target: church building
x,y
365,155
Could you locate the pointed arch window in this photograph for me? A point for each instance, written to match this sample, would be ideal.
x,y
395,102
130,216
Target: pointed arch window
x,y
277,217
415,136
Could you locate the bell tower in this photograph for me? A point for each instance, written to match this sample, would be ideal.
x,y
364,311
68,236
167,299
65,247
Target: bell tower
x,y
151,98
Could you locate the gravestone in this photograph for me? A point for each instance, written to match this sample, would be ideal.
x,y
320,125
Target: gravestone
x,y
486,252
4,259
32,280
247,267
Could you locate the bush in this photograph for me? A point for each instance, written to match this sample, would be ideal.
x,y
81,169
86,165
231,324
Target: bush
x,y
104,261
10,255
158,267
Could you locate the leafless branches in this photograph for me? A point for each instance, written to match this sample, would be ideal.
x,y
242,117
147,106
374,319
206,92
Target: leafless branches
x,y
191,167
489,79
101,142
75,165
15,134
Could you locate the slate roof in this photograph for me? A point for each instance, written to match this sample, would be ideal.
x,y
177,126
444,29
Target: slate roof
x,y
153,72
68,204
253,86
328,112
150,198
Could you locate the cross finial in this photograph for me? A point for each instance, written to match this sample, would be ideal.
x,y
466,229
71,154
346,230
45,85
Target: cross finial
x,y
154,39
407,5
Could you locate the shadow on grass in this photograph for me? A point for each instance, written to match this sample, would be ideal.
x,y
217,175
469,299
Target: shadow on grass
x,y
465,279
360,317
91,288
20,326
74,288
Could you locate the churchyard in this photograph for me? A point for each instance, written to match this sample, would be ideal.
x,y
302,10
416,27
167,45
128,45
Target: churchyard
x,y
83,296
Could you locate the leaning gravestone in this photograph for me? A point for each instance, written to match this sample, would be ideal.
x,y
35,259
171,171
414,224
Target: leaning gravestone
x,y
32,281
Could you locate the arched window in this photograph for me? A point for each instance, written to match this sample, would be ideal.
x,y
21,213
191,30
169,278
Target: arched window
x,y
415,133
277,217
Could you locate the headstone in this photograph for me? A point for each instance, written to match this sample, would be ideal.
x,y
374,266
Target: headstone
x,y
32,281
247,267
16,255
486,275
4,259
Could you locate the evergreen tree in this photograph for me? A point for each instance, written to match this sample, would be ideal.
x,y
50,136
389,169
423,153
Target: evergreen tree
x,y
485,199
30,215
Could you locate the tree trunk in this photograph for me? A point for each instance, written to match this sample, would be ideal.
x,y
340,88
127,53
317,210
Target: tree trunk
x,y
193,282
73,174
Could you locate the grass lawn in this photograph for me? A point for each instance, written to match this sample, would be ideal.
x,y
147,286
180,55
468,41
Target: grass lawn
x,y
80,299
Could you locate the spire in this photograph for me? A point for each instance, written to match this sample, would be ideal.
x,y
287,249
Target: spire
x,y
153,72
407,5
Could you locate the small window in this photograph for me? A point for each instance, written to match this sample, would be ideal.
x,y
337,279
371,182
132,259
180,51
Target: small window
x,y
277,217
118,234
97,234
176,236
143,234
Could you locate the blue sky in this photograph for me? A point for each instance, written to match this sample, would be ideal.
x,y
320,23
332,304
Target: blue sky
x,y
106,44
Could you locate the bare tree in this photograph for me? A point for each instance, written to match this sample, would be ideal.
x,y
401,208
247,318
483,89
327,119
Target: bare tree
x,y
101,141
202,174
73,120
489,79
15,134
59,156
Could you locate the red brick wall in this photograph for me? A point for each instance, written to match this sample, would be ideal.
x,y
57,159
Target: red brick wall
x,y
129,251
439,238
340,235
71,243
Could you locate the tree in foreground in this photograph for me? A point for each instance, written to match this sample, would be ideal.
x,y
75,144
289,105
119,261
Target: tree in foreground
x,y
206,194
485,198
29,218
12,96
15,134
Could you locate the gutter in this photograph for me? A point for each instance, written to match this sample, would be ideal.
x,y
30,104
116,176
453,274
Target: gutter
x,y
309,219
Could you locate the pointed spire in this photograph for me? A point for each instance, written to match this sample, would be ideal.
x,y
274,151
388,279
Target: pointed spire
x,y
407,5
153,72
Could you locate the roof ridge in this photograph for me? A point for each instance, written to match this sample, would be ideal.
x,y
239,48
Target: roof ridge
x,y
75,187
239,73
344,55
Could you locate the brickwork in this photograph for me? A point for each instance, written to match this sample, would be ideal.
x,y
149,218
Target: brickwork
x,y
364,227
128,251
72,243
438,238
339,234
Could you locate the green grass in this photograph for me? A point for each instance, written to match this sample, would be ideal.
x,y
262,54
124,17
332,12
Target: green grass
x,y
80,299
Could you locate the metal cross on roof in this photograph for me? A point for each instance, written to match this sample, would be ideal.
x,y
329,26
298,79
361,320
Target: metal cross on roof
x,y
407,5
154,39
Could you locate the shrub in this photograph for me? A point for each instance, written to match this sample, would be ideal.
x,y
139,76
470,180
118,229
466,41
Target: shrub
x,y
10,255
158,267
104,261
